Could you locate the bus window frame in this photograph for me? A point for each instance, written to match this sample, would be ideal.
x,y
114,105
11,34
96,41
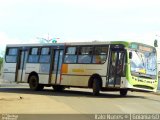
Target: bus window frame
x,y
7,51
81,46
38,54
100,54
77,53
40,50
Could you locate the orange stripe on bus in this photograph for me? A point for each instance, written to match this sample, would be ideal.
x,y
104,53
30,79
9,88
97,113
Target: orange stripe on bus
x,y
64,68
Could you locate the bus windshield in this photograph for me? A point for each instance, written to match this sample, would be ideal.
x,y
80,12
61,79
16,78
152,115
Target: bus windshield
x,y
143,63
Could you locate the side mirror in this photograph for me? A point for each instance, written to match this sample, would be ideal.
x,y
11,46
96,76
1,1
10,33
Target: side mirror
x,y
130,55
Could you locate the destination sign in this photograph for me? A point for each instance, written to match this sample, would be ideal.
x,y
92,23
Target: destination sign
x,y
144,48
141,47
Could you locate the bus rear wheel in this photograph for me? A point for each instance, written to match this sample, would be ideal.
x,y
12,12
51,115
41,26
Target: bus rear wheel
x,y
96,87
34,83
123,92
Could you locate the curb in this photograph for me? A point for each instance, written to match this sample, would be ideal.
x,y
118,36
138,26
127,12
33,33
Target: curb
x,y
7,84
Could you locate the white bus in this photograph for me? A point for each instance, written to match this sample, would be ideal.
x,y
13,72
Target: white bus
x,y
102,66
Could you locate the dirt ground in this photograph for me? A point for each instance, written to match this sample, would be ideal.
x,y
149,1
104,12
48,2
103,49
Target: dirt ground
x,y
29,104
19,99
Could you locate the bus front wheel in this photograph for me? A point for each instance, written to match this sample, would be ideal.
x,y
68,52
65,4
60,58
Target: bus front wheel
x,y
34,84
96,87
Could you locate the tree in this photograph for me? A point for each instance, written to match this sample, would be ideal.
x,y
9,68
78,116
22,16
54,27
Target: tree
x,y
1,63
1,60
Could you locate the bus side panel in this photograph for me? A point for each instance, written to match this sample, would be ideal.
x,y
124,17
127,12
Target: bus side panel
x,y
26,78
37,68
75,80
79,74
43,79
44,73
32,67
124,82
9,72
103,81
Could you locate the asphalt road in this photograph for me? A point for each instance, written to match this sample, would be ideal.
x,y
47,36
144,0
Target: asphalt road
x,y
20,99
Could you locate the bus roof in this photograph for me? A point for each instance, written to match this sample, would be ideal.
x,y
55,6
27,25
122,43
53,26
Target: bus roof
x,y
36,44
68,43
125,43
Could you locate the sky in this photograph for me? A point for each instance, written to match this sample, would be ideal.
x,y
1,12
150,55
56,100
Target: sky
x,y
25,21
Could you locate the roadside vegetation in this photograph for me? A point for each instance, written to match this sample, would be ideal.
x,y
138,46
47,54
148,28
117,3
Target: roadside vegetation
x,y
1,63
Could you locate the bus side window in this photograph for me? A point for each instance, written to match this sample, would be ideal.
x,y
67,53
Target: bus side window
x,y
45,55
100,54
70,55
33,55
85,55
11,55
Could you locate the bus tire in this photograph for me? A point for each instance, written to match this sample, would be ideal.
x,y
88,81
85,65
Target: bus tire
x,y
96,86
123,92
34,83
58,88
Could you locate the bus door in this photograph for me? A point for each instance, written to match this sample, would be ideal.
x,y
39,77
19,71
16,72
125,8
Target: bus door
x,y
56,64
115,66
21,65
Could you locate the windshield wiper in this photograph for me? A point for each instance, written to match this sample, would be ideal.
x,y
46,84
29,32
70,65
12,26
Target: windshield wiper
x,y
145,76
